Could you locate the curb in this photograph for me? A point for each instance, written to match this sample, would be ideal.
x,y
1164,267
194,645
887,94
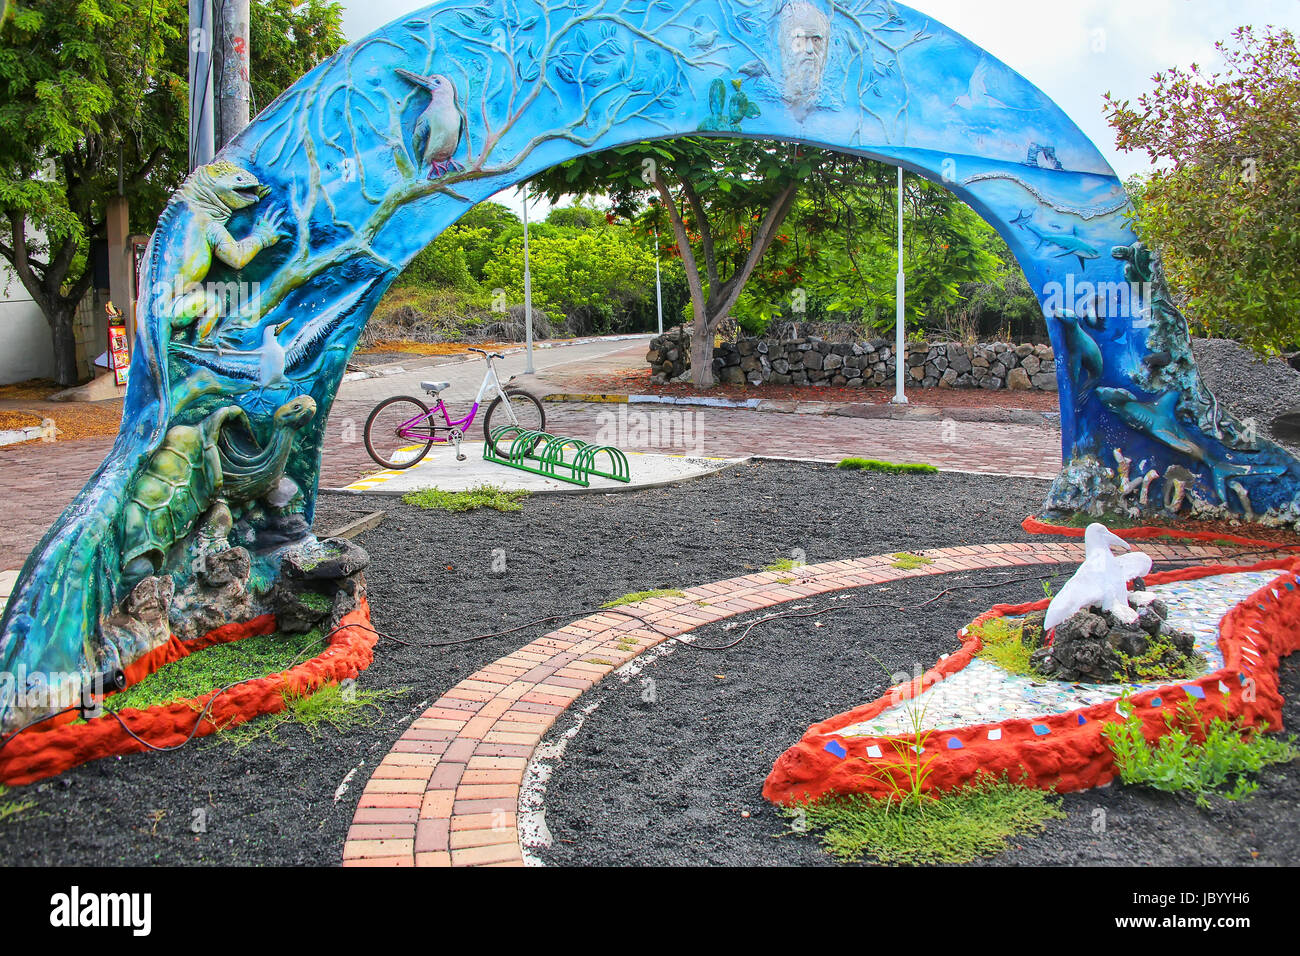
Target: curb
x,y
16,436
723,465
810,406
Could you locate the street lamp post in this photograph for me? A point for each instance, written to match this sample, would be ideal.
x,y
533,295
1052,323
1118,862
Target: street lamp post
x,y
900,294
528,295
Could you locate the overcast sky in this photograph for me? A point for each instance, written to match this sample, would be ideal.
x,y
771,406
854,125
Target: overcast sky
x,y
1074,50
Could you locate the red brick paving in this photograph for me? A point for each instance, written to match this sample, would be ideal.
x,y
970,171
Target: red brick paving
x,y
39,479
461,808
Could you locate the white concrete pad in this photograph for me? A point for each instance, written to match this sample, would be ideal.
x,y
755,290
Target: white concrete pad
x,y
440,469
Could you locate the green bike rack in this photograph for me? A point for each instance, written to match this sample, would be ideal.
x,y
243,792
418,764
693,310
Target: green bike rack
x,y
554,456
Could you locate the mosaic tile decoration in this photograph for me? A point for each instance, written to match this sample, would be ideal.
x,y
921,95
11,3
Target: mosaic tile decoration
x,y
983,692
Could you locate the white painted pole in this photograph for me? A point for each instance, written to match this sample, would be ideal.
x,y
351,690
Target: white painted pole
x,y
528,295
659,294
900,292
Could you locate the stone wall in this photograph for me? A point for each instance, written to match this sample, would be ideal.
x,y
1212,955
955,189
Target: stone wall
x,y
812,361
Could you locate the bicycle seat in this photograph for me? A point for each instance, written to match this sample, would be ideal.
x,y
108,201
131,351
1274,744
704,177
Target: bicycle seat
x,y
433,388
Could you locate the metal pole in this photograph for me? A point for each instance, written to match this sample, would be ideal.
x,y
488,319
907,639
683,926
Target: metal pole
x,y
232,90
200,59
900,292
659,293
528,294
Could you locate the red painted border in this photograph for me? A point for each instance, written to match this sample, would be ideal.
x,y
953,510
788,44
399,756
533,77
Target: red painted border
x,y
58,745
1073,755
1035,526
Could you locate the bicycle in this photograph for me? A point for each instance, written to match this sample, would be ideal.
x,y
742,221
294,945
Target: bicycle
x,y
401,430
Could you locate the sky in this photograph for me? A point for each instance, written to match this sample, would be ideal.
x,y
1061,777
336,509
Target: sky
x,y
1073,50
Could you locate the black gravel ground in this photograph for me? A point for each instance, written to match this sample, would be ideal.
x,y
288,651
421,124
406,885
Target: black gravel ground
x,y
671,772
1249,386
431,580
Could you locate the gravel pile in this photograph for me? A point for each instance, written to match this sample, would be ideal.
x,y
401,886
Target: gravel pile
x,y
1249,386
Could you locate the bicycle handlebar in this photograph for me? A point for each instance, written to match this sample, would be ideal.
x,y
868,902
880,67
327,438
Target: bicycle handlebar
x,y
485,354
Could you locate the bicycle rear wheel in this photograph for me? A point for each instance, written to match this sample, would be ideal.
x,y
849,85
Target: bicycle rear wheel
x,y
383,441
525,410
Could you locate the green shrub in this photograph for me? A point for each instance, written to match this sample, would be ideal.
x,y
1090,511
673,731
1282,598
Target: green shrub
x,y
1176,762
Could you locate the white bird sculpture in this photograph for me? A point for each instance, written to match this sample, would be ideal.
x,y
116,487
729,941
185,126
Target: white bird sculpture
x,y
271,366
440,128
1101,581
977,95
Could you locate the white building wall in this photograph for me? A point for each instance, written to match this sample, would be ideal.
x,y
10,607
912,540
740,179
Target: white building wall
x,y
26,348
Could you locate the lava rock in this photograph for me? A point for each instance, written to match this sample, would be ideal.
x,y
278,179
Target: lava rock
x,y
331,560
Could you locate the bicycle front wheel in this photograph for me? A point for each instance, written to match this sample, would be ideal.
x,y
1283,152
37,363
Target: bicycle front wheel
x,y
524,410
399,432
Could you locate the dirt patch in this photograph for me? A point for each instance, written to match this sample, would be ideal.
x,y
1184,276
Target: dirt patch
x,y
637,382
407,347
27,404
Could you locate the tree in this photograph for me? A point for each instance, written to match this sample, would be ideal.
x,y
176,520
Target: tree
x,y
837,254
93,103
1223,206
591,275
705,188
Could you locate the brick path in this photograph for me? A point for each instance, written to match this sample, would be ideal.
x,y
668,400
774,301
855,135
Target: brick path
x,y
447,794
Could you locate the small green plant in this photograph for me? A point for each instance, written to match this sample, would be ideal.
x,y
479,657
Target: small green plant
x,y
870,464
217,666
12,809
1161,662
1047,590
340,706
970,822
1002,642
907,561
1226,754
635,596
916,771
457,502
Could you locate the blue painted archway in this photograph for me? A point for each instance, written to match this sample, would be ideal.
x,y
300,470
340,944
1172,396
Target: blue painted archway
x,y
292,236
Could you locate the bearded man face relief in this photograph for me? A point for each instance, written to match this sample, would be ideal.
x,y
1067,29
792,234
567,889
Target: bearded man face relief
x,y
805,37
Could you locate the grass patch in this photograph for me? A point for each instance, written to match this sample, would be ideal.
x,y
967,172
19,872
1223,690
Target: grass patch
x,y
216,666
12,809
339,706
636,596
480,496
1003,643
1219,764
871,464
971,822
907,561
785,564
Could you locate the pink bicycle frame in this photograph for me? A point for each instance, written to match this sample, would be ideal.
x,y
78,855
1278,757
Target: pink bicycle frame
x,y
490,381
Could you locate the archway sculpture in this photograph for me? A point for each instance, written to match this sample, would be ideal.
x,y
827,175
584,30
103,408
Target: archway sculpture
x,y
267,262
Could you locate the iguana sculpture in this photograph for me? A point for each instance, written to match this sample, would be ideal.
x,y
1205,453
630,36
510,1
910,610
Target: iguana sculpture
x,y
212,194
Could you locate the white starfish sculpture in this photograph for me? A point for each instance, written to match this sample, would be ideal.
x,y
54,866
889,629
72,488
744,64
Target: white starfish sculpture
x,y
1101,581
